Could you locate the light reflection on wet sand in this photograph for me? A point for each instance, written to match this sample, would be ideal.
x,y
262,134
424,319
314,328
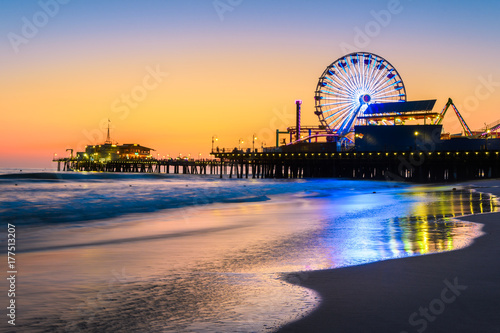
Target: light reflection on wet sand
x,y
218,268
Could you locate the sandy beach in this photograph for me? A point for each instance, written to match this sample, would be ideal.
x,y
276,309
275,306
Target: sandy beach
x,y
221,267
455,291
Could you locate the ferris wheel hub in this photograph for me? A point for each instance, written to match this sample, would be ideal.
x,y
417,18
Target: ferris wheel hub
x,y
365,99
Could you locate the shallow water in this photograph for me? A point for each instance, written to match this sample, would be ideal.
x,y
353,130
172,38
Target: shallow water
x,y
214,266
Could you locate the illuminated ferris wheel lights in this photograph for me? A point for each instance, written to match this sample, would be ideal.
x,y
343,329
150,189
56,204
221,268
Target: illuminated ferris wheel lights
x,y
350,84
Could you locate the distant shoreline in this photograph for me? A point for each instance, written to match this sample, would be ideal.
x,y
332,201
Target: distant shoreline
x,y
455,291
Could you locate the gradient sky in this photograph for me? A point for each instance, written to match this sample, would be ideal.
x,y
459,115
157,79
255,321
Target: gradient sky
x,y
230,74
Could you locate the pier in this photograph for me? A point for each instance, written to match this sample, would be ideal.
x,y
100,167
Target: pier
x,y
177,166
367,130
422,167
399,166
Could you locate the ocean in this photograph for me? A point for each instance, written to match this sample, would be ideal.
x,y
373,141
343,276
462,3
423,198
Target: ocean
x,y
99,252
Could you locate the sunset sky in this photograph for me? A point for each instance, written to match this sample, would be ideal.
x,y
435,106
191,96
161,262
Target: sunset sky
x,y
172,74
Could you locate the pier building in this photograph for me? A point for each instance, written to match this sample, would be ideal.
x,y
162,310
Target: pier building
x,y
114,152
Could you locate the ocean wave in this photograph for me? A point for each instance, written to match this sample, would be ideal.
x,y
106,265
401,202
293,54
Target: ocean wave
x,y
198,232
54,198
81,176
258,198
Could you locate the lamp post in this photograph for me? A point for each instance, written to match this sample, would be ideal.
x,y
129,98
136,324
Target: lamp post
x,y
487,133
416,135
239,145
214,138
253,142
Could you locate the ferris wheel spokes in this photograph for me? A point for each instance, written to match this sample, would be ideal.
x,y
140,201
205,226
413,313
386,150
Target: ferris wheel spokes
x,y
349,85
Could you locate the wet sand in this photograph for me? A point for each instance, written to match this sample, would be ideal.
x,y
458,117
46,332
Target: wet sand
x,y
457,291
221,267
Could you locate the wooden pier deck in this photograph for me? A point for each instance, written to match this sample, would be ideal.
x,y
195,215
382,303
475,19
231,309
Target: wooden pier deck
x,y
399,166
202,166
417,166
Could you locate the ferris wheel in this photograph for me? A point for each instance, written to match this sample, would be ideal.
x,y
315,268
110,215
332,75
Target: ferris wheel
x,y
349,85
